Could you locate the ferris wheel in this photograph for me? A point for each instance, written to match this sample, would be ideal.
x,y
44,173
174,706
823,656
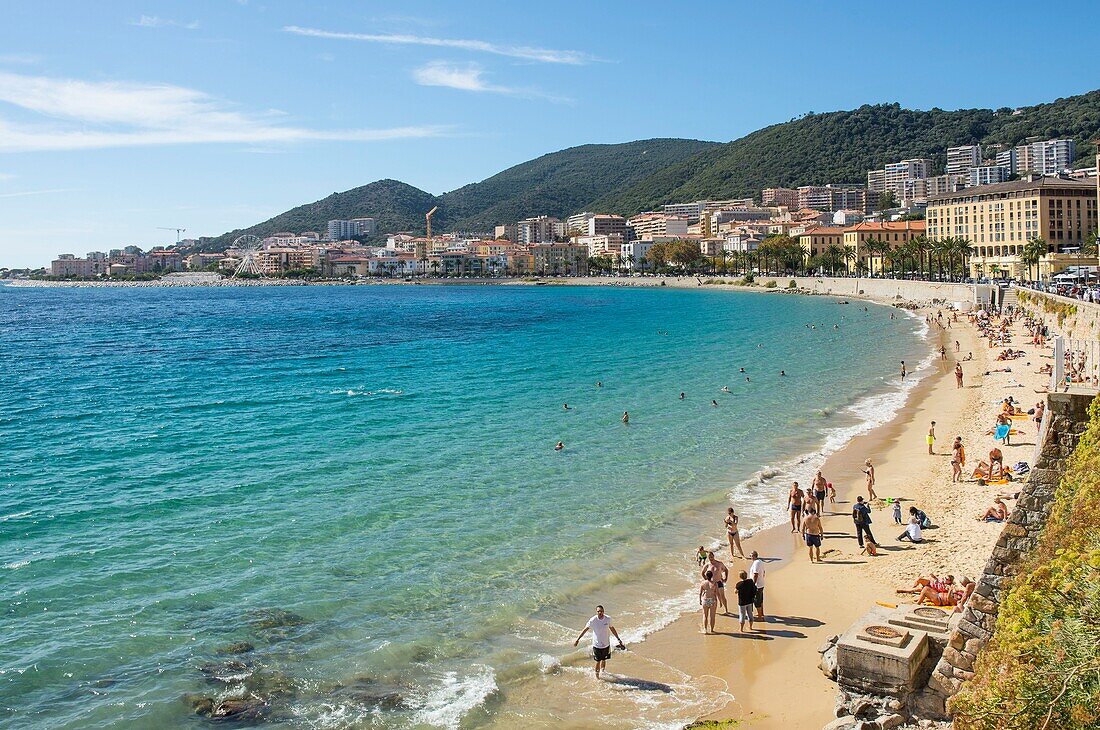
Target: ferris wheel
x,y
248,247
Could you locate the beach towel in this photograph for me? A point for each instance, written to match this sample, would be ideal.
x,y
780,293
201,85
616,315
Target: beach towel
x,y
1001,432
1021,467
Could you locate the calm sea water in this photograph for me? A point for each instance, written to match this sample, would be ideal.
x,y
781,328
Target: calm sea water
x,y
360,482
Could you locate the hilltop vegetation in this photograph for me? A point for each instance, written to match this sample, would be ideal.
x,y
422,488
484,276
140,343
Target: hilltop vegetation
x,y
556,184
836,147
840,147
562,183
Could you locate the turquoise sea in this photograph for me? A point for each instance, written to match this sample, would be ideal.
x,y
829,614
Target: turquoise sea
x,y
360,484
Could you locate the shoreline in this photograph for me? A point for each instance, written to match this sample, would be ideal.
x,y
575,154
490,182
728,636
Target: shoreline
x,y
807,603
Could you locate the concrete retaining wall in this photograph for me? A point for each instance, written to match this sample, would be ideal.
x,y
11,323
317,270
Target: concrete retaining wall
x,y
901,289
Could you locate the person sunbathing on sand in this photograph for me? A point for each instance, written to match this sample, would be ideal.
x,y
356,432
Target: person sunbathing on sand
x,y
956,597
997,513
932,581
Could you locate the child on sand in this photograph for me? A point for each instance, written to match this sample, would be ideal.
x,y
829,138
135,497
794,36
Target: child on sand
x,y
897,512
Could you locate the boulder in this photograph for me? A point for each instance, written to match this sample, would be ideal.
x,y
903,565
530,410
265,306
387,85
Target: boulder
x,y
238,647
862,707
889,722
841,723
239,710
828,663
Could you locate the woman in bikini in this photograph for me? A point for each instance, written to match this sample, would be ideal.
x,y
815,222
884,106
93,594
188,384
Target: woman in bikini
x,y
957,460
794,506
733,534
870,472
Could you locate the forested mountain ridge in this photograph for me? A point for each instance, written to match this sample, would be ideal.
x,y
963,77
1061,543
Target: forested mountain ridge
x,y
554,184
840,147
833,147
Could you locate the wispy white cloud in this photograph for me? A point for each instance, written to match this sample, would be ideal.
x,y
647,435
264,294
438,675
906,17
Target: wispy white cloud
x,y
24,193
527,53
470,77
153,21
5,176
91,115
20,58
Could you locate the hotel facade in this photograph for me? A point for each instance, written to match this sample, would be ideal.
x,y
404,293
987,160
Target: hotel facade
x,y
1000,219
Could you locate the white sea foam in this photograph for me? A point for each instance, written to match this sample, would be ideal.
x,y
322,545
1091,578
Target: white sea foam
x,y
16,565
350,392
15,516
446,705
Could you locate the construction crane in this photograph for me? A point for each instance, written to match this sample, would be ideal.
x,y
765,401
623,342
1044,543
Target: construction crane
x,y
177,230
428,220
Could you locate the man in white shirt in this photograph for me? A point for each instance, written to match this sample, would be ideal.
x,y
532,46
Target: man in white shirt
x,y
602,629
756,572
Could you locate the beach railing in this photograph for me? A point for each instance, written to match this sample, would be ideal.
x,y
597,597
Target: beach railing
x,y
1076,364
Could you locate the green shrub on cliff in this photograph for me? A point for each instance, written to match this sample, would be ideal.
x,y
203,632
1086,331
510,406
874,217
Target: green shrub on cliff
x,y
1041,669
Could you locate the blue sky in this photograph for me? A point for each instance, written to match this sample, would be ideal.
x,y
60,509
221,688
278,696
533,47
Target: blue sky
x,y
119,117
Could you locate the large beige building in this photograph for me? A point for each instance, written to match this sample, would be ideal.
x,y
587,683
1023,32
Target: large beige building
x,y
998,220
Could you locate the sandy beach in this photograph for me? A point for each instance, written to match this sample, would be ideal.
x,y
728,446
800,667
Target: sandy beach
x,y
773,674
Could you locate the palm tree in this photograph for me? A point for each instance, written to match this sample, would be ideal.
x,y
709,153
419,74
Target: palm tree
x,y
1032,253
920,246
963,248
940,249
851,253
833,255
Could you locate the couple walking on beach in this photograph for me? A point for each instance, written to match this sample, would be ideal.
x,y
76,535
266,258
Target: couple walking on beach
x,y
749,589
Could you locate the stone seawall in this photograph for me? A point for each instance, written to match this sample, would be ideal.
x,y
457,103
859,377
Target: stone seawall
x,y
1067,418
901,289
1075,318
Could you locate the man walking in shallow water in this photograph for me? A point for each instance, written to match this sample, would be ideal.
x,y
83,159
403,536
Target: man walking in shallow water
x,y
602,629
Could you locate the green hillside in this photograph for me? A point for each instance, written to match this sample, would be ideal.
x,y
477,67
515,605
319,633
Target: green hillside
x,y
562,183
840,147
395,205
836,147
556,184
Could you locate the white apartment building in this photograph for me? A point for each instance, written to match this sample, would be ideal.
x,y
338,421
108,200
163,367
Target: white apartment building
x,y
691,211
633,252
1007,160
609,244
697,210
579,222
961,159
830,198
1052,156
986,175
786,197
876,182
341,230
541,229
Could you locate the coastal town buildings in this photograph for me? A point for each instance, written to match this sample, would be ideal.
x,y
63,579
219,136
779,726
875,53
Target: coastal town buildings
x,y
1000,219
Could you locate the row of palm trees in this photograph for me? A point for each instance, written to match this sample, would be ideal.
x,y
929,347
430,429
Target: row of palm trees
x,y
918,257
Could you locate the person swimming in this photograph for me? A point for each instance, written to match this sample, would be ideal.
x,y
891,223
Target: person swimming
x,y
681,395
560,445
599,383
626,417
746,378
714,403
725,389
565,406
742,369
782,373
